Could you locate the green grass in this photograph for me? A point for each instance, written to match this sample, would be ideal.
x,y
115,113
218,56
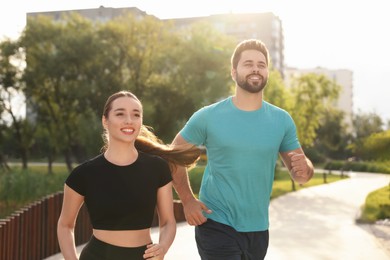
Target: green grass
x,y
377,206
20,187
282,183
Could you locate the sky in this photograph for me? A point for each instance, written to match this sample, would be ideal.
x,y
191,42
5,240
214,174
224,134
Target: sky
x,y
333,34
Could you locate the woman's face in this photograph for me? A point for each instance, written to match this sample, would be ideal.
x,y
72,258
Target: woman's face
x,y
124,120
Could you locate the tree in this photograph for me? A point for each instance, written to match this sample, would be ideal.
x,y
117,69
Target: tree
x,y
377,146
365,124
171,82
11,87
276,92
312,95
195,73
57,78
332,137
74,65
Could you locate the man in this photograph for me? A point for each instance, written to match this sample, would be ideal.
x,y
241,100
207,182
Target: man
x,y
243,135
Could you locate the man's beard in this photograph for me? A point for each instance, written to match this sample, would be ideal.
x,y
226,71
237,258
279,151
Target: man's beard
x,y
252,87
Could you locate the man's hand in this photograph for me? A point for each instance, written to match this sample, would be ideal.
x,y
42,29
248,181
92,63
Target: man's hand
x,y
301,167
193,211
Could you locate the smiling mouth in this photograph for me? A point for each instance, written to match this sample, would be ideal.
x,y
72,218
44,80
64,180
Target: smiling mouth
x,y
128,130
254,77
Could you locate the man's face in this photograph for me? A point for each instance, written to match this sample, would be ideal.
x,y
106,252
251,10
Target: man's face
x,y
252,71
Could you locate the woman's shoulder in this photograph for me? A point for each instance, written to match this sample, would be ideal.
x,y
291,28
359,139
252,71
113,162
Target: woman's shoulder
x,y
96,161
149,158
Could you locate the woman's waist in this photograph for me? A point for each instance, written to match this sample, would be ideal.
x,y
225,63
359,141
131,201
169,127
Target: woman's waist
x,y
124,238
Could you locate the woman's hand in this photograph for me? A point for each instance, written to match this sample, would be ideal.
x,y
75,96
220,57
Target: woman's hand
x,y
154,252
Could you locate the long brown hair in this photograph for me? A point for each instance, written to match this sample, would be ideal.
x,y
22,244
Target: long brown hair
x,y
148,142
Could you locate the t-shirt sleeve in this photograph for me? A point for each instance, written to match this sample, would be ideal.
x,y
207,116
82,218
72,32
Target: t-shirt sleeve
x,y
165,176
76,180
194,130
290,141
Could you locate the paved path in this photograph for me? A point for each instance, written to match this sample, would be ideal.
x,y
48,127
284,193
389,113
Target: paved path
x,y
316,223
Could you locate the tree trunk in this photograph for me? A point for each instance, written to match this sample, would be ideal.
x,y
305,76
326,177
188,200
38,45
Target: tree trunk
x,y
50,164
24,159
3,163
68,160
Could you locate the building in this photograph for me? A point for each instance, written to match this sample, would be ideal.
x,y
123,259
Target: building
x,y
342,77
264,26
101,14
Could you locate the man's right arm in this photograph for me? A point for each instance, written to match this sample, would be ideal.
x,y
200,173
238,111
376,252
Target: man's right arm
x,y
192,206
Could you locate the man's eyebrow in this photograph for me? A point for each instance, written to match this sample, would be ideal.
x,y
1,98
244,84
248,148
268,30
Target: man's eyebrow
x,y
252,61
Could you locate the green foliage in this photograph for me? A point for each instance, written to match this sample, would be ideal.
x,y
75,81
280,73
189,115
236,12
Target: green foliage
x,y
20,187
276,92
377,205
315,155
281,186
198,75
195,175
365,124
332,136
73,66
312,95
359,166
377,146
20,130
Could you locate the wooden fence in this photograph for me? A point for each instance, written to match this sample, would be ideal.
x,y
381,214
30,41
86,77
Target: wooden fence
x,y
31,232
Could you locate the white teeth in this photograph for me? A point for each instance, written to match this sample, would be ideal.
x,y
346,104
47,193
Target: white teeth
x,y
128,130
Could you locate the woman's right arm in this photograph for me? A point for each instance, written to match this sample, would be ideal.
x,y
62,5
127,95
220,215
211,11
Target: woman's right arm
x,y
71,205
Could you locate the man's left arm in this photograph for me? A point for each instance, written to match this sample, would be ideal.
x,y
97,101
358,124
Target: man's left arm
x,y
300,167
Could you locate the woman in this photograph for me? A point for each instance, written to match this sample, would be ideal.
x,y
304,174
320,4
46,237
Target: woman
x,y
122,187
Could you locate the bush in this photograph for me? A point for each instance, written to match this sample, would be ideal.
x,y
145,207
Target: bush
x,y
359,166
314,155
377,206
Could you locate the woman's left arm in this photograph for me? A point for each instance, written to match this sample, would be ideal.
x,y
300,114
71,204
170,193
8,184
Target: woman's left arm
x,y
167,223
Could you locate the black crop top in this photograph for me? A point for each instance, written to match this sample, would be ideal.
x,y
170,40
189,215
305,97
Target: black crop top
x,y
120,197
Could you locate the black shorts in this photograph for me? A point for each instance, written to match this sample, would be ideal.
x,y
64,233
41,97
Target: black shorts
x,y
217,241
96,249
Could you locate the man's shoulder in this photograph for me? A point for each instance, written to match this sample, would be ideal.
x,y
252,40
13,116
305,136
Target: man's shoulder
x,y
220,104
274,108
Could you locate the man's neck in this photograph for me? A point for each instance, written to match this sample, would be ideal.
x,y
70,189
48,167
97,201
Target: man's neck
x,y
247,101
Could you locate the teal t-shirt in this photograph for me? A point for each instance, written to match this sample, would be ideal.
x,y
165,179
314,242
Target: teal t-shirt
x,y
242,149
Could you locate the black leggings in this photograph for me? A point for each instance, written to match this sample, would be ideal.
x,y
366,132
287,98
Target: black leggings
x,y
98,250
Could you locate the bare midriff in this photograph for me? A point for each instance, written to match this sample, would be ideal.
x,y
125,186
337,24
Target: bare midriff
x,y
124,238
